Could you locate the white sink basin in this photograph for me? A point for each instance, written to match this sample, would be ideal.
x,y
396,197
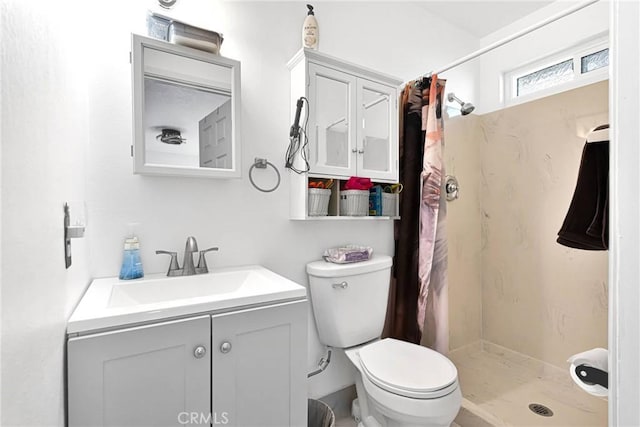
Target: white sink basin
x,y
151,291
112,302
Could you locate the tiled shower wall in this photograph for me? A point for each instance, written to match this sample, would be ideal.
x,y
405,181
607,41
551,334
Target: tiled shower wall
x,y
462,160
536,296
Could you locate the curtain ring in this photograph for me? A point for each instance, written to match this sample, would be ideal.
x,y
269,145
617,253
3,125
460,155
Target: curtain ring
x,y
262,164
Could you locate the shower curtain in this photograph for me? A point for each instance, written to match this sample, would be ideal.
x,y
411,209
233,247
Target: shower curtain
x,y
402,317
433,304
417,310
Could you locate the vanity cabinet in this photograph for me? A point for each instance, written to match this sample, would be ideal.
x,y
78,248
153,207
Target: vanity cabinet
x,y
351,122
239,368
258,363
140,376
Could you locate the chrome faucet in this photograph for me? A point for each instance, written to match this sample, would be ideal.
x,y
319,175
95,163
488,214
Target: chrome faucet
x,y
188,269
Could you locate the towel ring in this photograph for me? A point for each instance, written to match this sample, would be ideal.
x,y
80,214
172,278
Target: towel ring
x,y
262,164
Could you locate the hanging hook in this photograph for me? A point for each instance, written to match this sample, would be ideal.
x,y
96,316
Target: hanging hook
x,y
423,82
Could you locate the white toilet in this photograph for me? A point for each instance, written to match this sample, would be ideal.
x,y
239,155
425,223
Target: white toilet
x,y
399,383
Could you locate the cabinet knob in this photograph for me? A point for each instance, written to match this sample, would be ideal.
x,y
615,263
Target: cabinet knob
x,y
354,150
225,347
199,352
361,151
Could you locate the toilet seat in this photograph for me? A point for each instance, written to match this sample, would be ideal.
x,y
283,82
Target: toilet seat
x,y
407,369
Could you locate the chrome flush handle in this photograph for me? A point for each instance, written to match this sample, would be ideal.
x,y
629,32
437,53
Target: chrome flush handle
x,y
341,285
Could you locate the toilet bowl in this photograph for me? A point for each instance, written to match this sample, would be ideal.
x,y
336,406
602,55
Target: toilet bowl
x,y
406,384
398,383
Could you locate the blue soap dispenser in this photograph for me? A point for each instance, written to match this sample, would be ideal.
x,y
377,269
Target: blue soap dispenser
x,y
131,262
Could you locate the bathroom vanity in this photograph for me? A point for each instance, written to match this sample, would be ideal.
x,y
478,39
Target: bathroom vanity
x,y
229,347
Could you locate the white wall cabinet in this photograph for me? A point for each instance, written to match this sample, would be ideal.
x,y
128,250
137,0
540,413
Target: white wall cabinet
x,y
352,125
242,368
353,121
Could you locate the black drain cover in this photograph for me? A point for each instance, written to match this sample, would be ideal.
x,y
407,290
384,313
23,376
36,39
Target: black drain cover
x,y
541,410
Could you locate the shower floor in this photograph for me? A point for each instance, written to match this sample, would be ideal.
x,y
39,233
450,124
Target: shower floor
x,y
499,384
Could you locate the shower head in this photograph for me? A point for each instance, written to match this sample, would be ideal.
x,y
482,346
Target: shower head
x,y
465,107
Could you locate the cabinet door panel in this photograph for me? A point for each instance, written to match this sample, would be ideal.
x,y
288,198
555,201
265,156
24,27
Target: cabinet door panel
x,y
377,136
144,376
332,123
259,378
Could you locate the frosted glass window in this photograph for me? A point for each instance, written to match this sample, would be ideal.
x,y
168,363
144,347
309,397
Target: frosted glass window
x,y
595,60
558,72
547,77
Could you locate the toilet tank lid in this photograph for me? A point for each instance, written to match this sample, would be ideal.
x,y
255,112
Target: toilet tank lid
x,y
329,269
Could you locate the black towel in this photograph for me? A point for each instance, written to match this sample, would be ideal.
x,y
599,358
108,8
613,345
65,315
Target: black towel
x,y
586,225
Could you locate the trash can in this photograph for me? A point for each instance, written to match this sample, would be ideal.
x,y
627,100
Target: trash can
x,y
319,414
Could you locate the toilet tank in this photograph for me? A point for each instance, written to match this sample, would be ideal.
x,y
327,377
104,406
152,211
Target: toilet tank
x,y
349,300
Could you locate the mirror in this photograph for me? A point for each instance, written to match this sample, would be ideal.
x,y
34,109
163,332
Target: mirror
x,y
375,110
332,125
186,111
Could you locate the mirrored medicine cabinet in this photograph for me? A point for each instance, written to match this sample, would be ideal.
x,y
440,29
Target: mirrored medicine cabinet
x,y
186,111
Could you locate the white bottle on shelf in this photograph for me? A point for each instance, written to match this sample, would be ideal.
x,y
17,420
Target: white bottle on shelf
x,y
310,34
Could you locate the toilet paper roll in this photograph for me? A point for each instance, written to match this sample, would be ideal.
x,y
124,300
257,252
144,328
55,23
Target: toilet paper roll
x,y
597,358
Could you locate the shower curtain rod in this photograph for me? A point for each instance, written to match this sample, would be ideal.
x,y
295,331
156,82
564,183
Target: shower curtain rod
x,y
512,37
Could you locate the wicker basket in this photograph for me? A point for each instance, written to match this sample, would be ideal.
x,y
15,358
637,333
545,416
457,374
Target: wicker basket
x,y
354,202
319,201
390,204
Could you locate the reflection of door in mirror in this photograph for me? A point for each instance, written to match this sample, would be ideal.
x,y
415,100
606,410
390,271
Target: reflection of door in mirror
x,y
215,140
170,105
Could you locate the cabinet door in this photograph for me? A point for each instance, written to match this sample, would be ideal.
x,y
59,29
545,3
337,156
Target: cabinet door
x,y
259,366
144,376
377,134
332,122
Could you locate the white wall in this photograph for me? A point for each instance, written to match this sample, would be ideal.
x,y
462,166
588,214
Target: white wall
x,y
44,134
624,297
2,35
555,37
66,116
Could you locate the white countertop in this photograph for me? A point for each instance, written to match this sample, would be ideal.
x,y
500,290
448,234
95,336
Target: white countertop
x,y
112,302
